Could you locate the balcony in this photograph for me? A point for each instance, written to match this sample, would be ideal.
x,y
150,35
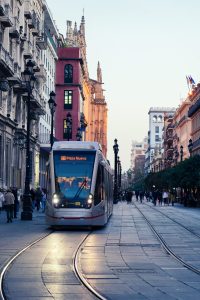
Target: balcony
x,y
2,8
44,138
37,103
5,20
28,54
6,63
41,73
27,10
194,108
41,41
51,40
15,29
16,79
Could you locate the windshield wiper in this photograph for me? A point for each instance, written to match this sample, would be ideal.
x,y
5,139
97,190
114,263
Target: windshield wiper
x,y
83,184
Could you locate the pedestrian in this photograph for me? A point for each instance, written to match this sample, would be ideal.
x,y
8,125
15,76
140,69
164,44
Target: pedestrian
x,y
160,198
165,196
38,197
147,195
44,198
16,203
1,200
136,194
129,195
141,195
154,196
9,205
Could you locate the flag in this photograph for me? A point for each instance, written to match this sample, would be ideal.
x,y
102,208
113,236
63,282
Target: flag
x,y
191,80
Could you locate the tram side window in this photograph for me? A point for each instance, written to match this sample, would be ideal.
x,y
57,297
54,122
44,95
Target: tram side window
x,y
98,194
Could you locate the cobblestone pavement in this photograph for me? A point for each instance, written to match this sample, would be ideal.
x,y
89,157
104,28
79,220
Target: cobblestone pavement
x,y
124,260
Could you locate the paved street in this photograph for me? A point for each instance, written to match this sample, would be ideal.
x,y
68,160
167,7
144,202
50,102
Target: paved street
x,y
121,261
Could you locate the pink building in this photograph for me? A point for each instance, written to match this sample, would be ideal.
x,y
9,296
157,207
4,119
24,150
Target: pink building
x,y
68,93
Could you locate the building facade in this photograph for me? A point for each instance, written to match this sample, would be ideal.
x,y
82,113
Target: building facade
x,y
81,112
155,136
21,31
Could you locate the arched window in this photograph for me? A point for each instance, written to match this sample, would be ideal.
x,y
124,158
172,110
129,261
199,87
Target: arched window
x,y
155,118
68,76
160,118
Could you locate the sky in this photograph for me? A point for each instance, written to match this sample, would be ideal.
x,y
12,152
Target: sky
x,y
145,49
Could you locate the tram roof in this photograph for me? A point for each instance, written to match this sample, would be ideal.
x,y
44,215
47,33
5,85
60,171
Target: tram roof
x,y
76,145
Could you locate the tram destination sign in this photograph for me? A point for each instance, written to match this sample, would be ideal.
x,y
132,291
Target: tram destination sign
x,y
73,158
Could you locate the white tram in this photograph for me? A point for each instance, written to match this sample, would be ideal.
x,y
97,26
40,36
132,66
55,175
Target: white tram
x,y
79,185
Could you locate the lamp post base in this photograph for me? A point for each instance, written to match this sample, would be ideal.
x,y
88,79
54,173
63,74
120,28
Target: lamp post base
x,y
26,214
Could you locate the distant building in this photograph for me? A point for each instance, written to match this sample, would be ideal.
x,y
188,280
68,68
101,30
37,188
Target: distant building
x,y
155,134
137,148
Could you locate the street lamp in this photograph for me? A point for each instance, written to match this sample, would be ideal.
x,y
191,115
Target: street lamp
x,y
116,150
78,134
52,107
119,172
29,79
69,126
190,146
181,152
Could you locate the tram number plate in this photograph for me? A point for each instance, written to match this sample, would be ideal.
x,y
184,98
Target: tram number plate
x,y
77,203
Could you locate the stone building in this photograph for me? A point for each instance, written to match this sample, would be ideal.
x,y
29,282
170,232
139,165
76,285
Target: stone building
x,y
21,32
155,137
79,97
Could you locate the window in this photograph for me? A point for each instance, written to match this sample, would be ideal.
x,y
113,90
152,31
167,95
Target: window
x,y
73,177
99,188
68,96
160,119
68,76
154,118
157,129
157,138
67,132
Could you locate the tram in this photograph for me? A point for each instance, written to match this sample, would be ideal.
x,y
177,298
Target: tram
x,y
79,185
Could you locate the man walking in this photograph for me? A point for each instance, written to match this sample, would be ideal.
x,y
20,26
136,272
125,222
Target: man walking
x,y
9,205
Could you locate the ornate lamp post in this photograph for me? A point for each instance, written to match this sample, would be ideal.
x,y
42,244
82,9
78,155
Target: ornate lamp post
x,y
190,146
116,150
52,107
181,152
78,134
69,126
119,172
29,79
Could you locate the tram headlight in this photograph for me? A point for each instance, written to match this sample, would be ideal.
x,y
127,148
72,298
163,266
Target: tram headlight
x,y
55,199
90,199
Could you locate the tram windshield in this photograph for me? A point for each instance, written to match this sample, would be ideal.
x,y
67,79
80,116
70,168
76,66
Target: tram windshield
x,y
73,176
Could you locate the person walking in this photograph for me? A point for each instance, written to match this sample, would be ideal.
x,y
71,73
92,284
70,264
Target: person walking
x,y
9,205
160,198
165,196
155,196
38,197
16,203
1,199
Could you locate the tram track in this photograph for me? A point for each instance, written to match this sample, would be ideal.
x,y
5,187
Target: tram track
x,y
178,223
10,262
76,267
166,246
79,274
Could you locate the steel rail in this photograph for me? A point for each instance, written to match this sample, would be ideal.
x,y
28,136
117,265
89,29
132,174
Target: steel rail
x,y
186,228
10,261
167,248
79,274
